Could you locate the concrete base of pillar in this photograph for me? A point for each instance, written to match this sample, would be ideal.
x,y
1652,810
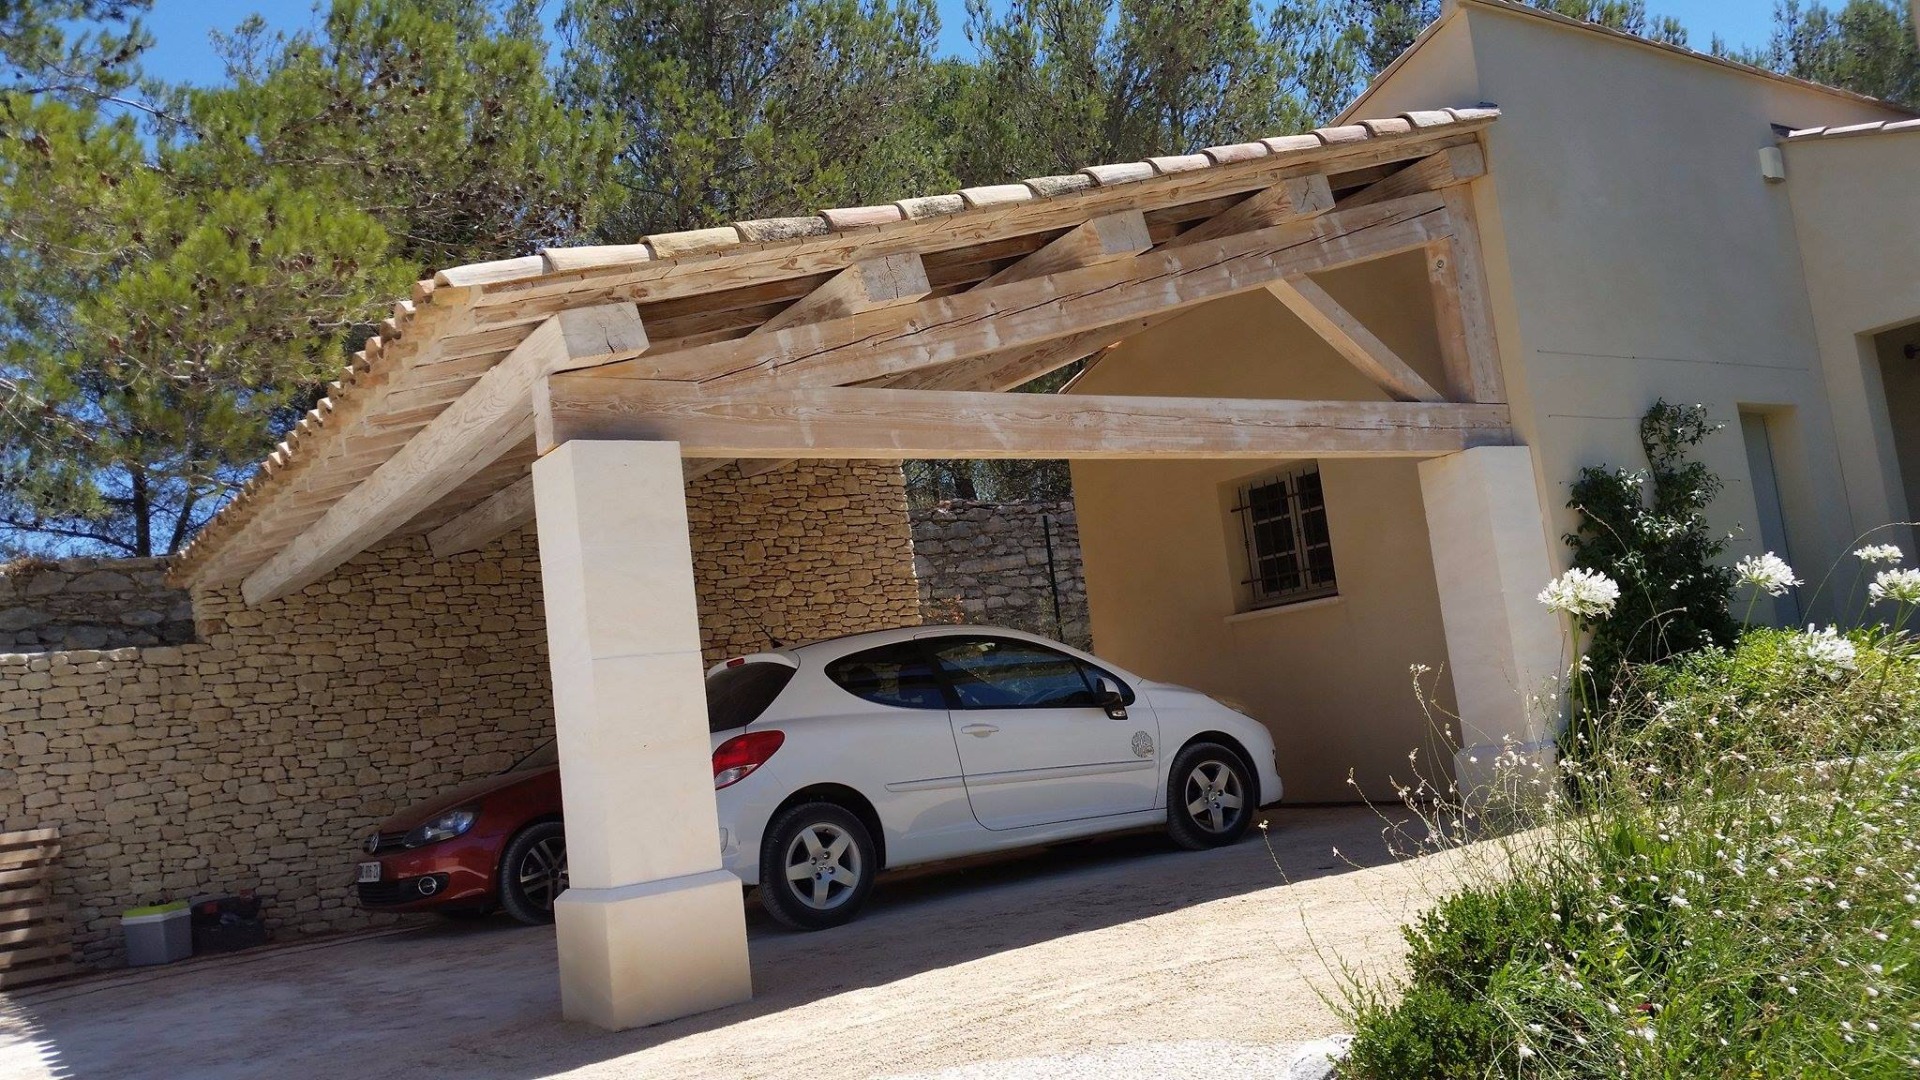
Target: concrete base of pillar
x,y
648,953
1507,775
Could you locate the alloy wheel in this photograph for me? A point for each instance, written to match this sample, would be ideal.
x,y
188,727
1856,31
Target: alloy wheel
x,y
823,866
1214,798
543,872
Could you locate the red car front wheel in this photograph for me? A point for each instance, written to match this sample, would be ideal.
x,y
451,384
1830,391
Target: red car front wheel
x,y
533,871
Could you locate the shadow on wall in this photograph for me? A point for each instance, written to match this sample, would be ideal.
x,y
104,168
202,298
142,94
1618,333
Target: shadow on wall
x,y
481,1000
50,604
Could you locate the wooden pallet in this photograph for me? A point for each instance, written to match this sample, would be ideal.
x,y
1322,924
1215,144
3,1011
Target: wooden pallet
x,y
35,943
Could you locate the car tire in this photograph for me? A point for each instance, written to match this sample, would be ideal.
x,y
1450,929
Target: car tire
x,y
529,878
1210,797
827,844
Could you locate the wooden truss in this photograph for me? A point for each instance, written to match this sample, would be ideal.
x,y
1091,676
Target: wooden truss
x,y
901,351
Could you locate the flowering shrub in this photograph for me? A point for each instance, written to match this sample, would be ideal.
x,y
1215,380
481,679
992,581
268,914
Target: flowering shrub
x,y
1672,595
1733,892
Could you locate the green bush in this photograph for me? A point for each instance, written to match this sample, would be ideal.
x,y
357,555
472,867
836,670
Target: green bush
x,y
1735,893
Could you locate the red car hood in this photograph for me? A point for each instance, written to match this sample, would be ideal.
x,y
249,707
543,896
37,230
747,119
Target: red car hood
x,y
472,790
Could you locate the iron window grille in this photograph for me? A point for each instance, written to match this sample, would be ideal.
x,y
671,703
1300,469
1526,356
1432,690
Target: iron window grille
x,y
1283,522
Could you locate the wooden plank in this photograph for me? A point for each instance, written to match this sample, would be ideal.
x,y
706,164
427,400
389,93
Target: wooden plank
x,y
24,977
867,285
1452,166
496,516
1103,239
853,422
1351,339
1289,200
880,344
30,894
35,853
1462,309
475,430
23,876
1013,368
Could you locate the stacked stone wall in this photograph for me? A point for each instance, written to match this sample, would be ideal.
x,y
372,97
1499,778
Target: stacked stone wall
x,y
1003,564
259,754
91,604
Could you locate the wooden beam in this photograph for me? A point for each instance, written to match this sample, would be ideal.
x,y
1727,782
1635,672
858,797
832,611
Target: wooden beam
x,y
867,285
1013,368
1103,239
1352,340
1289,200
1448,168
853,422
496,516
488,420
880,344
1461,307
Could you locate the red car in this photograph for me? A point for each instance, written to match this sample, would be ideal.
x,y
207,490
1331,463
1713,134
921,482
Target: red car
x,y
490,843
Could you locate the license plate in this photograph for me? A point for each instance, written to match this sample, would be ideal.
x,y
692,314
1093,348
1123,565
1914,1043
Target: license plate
x,y
369,871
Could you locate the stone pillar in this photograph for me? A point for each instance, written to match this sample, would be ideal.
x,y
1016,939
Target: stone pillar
x,y
1504,648
651,928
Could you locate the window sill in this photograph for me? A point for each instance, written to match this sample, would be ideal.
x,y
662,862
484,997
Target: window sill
x,y
1283,609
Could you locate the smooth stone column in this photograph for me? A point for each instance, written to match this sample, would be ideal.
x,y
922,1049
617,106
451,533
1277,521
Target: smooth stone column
x,y
1504,648
650,928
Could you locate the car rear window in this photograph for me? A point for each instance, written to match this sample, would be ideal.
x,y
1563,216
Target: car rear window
x,y
897,675
736,696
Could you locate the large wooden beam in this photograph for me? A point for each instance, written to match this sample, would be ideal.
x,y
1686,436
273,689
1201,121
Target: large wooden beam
x,y
1462,308
486,421
1028,313
1103,239
1448,168
483,523
867,285
1352,340
1289,200
853,422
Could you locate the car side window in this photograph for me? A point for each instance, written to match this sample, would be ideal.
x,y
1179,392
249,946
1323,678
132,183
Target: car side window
x,y
897,675
1005,673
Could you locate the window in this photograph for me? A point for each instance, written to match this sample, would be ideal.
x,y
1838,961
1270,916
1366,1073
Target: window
x,y
898,675
1002,673
736,696
1283,523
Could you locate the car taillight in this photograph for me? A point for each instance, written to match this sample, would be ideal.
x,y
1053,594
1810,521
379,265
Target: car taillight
x,y
735,759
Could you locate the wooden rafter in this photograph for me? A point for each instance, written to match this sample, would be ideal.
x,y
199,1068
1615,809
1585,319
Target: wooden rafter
x,y
487,421
854,422
1351,339
479,525
1461,307
1289,200
867,285
1448,168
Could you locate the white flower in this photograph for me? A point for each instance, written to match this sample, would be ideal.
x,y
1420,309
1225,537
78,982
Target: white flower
x,y
1584,594
1769,573
1900,586
1878,553
1826,652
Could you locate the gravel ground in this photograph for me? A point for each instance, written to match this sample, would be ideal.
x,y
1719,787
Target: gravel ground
x,y
1115,957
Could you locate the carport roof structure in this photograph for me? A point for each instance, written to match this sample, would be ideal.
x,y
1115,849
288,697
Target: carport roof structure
x,y
766,340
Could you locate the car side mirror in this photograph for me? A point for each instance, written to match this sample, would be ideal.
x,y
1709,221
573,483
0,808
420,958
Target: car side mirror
x,y
1112,700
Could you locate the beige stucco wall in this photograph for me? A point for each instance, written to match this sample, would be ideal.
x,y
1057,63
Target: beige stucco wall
x,y
1856,211
1330,678
1635,252
257,756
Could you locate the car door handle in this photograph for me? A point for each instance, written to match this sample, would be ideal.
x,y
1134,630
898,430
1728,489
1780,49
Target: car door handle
x,y
979,731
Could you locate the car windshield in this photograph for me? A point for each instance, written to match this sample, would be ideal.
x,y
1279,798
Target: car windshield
x,y
738,694
545,756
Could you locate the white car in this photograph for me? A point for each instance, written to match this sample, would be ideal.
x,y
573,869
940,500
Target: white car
x,y
834,760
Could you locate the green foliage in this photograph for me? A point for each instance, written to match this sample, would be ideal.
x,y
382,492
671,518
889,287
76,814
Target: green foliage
x,y
755,109
1867,47
172,295
1732,895
1661,553
76,50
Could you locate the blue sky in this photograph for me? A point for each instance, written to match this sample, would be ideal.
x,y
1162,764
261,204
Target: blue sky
x,y
183,53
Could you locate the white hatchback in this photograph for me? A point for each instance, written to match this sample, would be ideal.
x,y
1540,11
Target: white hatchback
x,y
834,760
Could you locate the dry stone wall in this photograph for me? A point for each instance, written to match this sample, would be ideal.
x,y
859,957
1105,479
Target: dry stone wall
x,y
257,755
1003,564
91,604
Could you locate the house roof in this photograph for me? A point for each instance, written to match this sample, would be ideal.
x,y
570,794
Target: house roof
x,y
1453,8
707,285
1848,131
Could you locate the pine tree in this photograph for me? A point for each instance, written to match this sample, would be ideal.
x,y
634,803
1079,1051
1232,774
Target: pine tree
x,y
1867,47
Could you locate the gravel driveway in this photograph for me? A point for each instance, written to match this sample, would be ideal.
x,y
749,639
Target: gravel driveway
x,y
1115,955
